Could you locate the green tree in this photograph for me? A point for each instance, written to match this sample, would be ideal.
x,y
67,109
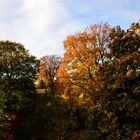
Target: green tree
x,y
17,75
118,112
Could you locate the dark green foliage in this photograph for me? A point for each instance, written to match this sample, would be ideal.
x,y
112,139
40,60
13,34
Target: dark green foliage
x,y
17,72
119,84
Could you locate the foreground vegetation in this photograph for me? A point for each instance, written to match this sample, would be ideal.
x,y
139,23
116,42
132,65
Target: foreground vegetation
x,y
92,93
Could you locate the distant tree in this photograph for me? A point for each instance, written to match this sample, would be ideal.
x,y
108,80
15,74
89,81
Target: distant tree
x,y
17,76
47,72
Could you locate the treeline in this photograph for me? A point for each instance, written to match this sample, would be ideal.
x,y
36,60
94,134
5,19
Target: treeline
x,y
91,93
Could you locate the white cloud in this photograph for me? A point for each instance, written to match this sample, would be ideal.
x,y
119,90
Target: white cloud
x,y
43,25
44,14
40,25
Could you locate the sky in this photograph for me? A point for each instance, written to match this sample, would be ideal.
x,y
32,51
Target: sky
x,y
42,25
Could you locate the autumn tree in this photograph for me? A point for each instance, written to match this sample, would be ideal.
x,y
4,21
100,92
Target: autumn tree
x,y
77,74
47,72
84,52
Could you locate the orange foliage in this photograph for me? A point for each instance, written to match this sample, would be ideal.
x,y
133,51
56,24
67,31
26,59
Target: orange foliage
x,y
84,52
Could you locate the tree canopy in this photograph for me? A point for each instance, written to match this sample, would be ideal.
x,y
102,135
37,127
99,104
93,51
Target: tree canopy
x,y
17,76
92,92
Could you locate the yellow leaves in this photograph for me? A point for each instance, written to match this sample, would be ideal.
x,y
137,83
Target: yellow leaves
x,y
61,73
99,49
68,41
70,38
130,73
42,71
124,59
114,40
126,36
90,39
81,60
64,97
81,96
110,114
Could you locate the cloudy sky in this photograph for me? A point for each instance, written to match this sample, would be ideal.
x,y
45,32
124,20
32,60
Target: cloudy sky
x,y
43,25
